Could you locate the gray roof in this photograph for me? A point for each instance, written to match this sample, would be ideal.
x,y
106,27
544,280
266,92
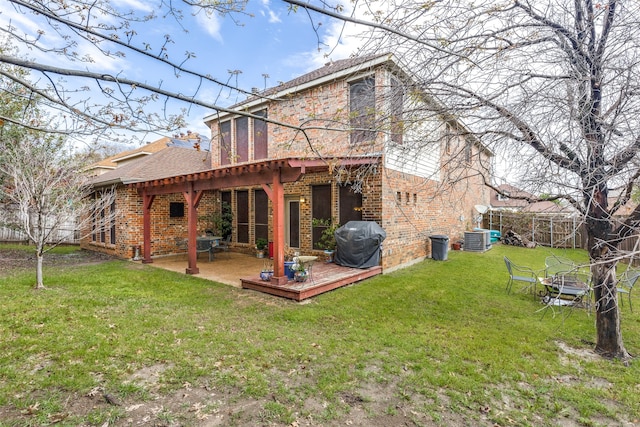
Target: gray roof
x,y
328,69
170,162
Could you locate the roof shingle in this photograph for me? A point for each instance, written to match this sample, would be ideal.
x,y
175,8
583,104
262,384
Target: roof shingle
x,y
172,161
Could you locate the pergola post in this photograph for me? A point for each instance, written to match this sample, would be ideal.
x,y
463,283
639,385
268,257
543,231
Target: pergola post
x,y
147,201
192,197
276,195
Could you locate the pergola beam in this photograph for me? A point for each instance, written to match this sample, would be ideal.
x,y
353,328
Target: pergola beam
x,y
270,174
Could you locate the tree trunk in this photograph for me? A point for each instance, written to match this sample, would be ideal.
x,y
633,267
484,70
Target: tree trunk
x,y
609,336
39,275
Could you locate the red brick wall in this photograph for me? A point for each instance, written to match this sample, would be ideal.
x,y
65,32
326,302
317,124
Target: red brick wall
x,y
409,208
423,208
415,208
323,110
164,229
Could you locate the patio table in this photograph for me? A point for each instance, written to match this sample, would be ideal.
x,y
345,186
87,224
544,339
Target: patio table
x,y
564,290
207,243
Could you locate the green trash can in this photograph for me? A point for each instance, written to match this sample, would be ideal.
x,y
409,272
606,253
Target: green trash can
x,y
439,247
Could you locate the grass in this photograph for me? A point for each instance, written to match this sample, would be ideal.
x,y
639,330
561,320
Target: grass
x,y
440,338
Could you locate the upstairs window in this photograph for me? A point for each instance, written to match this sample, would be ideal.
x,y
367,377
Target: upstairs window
x,y
225,143
242,139
468,151
362,105
396,109
260,147
235,147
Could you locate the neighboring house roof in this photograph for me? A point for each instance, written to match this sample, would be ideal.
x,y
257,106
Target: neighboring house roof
x,y
514,201
169,162
624,210
511,201
188,140
544,207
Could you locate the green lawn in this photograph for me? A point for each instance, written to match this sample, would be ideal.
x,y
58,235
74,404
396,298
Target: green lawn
x,y
433,344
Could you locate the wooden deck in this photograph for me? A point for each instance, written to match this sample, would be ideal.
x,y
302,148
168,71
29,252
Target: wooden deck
x,y
325,277
229,268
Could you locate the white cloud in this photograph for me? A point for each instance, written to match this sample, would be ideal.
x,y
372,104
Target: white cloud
x,y
134,4
274,18
210,23
34,26
340,39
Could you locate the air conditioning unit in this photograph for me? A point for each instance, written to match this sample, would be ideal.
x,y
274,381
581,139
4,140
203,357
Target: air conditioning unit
x,y
476,241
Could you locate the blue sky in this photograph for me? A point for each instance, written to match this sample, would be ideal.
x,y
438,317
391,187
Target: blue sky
x,y
274,42
267,40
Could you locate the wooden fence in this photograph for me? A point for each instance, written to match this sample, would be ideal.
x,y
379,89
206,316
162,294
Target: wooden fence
x,y
556,231
66,233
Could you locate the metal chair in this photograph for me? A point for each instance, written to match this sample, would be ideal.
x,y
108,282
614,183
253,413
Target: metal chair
x,y
521,274
223,246
204,246
557,265
626,283
181,244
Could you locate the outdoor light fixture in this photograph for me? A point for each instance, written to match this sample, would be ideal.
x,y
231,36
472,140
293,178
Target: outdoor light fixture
x,y
302,199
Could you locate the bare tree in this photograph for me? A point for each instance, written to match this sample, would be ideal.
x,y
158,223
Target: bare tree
x,y
44,190
551,86
73,48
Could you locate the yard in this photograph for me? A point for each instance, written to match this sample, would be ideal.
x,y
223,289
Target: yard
x,y
439,343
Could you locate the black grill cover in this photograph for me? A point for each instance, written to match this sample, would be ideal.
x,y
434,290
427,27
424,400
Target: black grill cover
x,y
358,244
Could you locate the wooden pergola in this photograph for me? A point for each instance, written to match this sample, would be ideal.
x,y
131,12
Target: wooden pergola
x,y
270,174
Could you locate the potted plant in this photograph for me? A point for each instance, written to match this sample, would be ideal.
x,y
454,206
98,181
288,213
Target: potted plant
x,y
299,272
219,223
288,262
267,271
261,245
327,240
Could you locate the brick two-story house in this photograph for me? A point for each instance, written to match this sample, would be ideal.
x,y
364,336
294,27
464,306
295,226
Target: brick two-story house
x,y
338,143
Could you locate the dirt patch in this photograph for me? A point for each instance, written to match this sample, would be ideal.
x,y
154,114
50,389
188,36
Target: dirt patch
x,y
13,260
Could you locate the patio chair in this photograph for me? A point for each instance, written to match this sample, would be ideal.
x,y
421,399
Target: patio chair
x,y
521,274
181,244
204,245
223,246
626,283
558,265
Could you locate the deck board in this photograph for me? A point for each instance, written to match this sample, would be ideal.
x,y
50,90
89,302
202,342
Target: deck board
x,y
326,277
